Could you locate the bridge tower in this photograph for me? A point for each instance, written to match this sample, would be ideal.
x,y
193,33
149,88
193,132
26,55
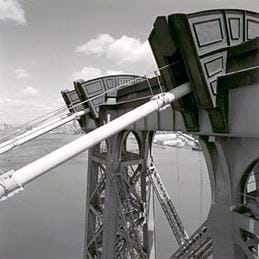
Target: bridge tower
x,y
117,205
209,87
217,53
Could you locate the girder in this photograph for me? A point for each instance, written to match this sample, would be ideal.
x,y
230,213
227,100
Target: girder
x,y
198,245
167,206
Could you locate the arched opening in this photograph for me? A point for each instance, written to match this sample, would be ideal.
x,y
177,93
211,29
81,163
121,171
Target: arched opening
x,y
103,147
250,205
130,190
130,149
251,190
183,170
131,154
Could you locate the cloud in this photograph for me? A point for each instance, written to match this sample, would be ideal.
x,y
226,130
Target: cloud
x,y
96,46
129,50
29,91
12,10
19,110
21,73
123,53
6,101
88,73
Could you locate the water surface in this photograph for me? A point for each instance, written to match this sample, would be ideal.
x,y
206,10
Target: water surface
x,y
46,220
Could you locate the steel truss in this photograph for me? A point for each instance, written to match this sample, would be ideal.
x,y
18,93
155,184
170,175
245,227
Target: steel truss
x,y
117,191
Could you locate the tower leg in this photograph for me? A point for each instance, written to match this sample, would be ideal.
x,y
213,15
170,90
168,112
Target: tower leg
x,y
116,204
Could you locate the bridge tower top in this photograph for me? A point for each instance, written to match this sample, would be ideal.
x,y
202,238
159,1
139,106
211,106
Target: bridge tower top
x,y
217,53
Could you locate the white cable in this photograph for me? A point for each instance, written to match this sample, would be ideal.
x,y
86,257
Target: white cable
x,y
201,187
154,216
39,167
64,108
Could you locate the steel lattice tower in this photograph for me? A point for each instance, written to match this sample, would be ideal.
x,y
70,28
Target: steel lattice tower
x,y
117,208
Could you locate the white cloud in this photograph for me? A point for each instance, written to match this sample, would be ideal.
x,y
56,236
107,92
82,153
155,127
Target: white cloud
x,y
123,53
19,110
96,46
129,50
12,10
6,101
21,73
88,73
29,91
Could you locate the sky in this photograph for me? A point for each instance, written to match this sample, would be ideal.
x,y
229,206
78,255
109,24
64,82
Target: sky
x,y
46,44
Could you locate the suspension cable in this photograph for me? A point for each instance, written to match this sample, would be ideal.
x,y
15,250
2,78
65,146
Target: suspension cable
x,y
154,222
201,188
23,127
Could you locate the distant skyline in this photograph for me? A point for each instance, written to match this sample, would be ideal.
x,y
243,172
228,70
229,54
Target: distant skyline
x,y
46,44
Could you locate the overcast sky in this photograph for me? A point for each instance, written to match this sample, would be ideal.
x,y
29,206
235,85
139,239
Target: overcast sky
x,y
46,44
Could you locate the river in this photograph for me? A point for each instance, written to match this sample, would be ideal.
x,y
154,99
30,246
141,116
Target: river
x,y
46,220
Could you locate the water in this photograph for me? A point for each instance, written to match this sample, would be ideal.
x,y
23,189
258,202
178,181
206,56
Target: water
x,y
46,220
